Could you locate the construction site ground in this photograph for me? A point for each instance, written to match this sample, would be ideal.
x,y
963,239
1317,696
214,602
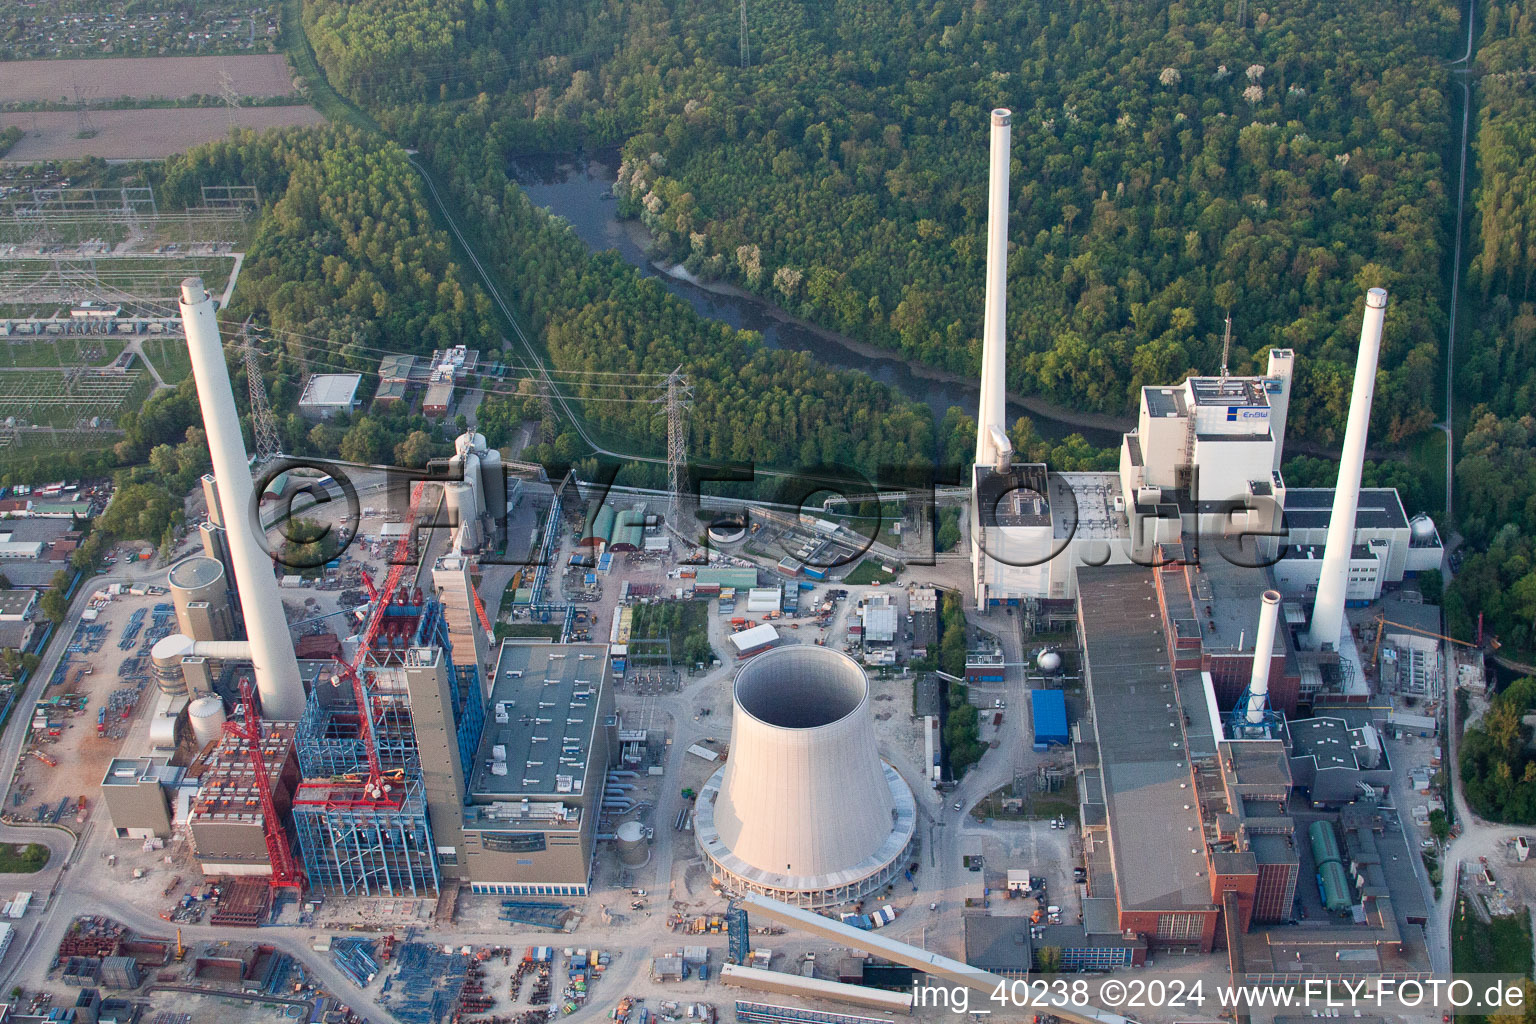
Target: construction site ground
x,y
81,754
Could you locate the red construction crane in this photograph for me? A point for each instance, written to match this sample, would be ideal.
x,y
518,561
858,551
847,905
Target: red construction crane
x,y
376,789
285,873
485,621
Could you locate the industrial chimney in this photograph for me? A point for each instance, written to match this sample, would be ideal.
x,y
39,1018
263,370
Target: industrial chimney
x,y
271,651
1263,653
1328,610
992,445
804,810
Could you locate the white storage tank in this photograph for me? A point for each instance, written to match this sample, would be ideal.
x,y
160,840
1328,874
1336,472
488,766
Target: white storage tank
x,y
206,715
631,843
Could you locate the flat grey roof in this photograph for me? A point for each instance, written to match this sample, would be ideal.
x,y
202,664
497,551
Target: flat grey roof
x,y
14,602
1083,505
197,571
1232,594
1162,402
1155,836
1016,498
549,693
331,389
1257,762
1229,391
1309,508
31,530
1326,739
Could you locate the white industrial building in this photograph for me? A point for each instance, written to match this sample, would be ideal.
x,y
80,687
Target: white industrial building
x,y
805,810
329,394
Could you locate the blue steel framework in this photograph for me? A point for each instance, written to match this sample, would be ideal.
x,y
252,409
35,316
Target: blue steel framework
x,y
359,849
368,850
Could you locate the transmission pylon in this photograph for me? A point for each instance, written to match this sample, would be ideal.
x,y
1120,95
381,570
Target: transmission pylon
x,y
679,396
263,424
231,97
83,126
746,47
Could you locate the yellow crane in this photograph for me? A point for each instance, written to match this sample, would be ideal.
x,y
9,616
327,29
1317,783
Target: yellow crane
x,y
1382,622
181,951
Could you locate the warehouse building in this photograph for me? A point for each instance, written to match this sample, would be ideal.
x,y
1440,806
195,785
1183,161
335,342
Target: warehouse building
x,y
327,395
1049,709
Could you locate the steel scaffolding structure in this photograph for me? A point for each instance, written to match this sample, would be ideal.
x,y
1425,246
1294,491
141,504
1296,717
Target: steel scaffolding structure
x,y
357,847
329,741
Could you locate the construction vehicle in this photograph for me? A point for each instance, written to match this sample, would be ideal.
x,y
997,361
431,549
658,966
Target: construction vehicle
x,y
181,950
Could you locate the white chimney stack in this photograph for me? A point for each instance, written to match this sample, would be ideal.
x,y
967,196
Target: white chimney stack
x,y
992,410
1263,653
271,651
1328,610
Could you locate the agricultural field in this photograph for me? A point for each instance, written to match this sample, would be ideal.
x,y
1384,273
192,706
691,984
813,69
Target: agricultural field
x,y
139,134
155,28
54,81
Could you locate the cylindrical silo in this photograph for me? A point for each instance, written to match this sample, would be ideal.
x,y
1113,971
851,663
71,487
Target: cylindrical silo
x,y
493,485
200,595
631,843
206,715
165,660
804,810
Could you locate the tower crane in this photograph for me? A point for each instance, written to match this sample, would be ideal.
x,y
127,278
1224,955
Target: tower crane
x,y
1382,622
376,788
286,874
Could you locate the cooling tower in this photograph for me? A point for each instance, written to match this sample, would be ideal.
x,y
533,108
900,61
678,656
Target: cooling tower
x,y
804,810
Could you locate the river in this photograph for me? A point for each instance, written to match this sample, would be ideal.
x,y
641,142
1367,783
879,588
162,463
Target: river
x,y
577,189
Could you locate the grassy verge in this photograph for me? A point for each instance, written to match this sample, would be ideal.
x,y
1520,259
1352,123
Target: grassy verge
x,y
170,357
22,858
301,56
1062,802
870,570
684,624
1499,946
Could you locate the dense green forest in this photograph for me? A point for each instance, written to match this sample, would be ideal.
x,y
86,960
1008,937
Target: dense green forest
x,y
1497,769
1169,165
1496,365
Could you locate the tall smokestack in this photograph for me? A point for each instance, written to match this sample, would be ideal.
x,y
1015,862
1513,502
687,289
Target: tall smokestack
x,y
1263,653
1328,610
277,670
993,408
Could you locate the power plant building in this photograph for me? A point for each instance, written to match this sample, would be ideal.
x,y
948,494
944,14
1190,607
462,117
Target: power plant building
x,y
804,811
535,787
